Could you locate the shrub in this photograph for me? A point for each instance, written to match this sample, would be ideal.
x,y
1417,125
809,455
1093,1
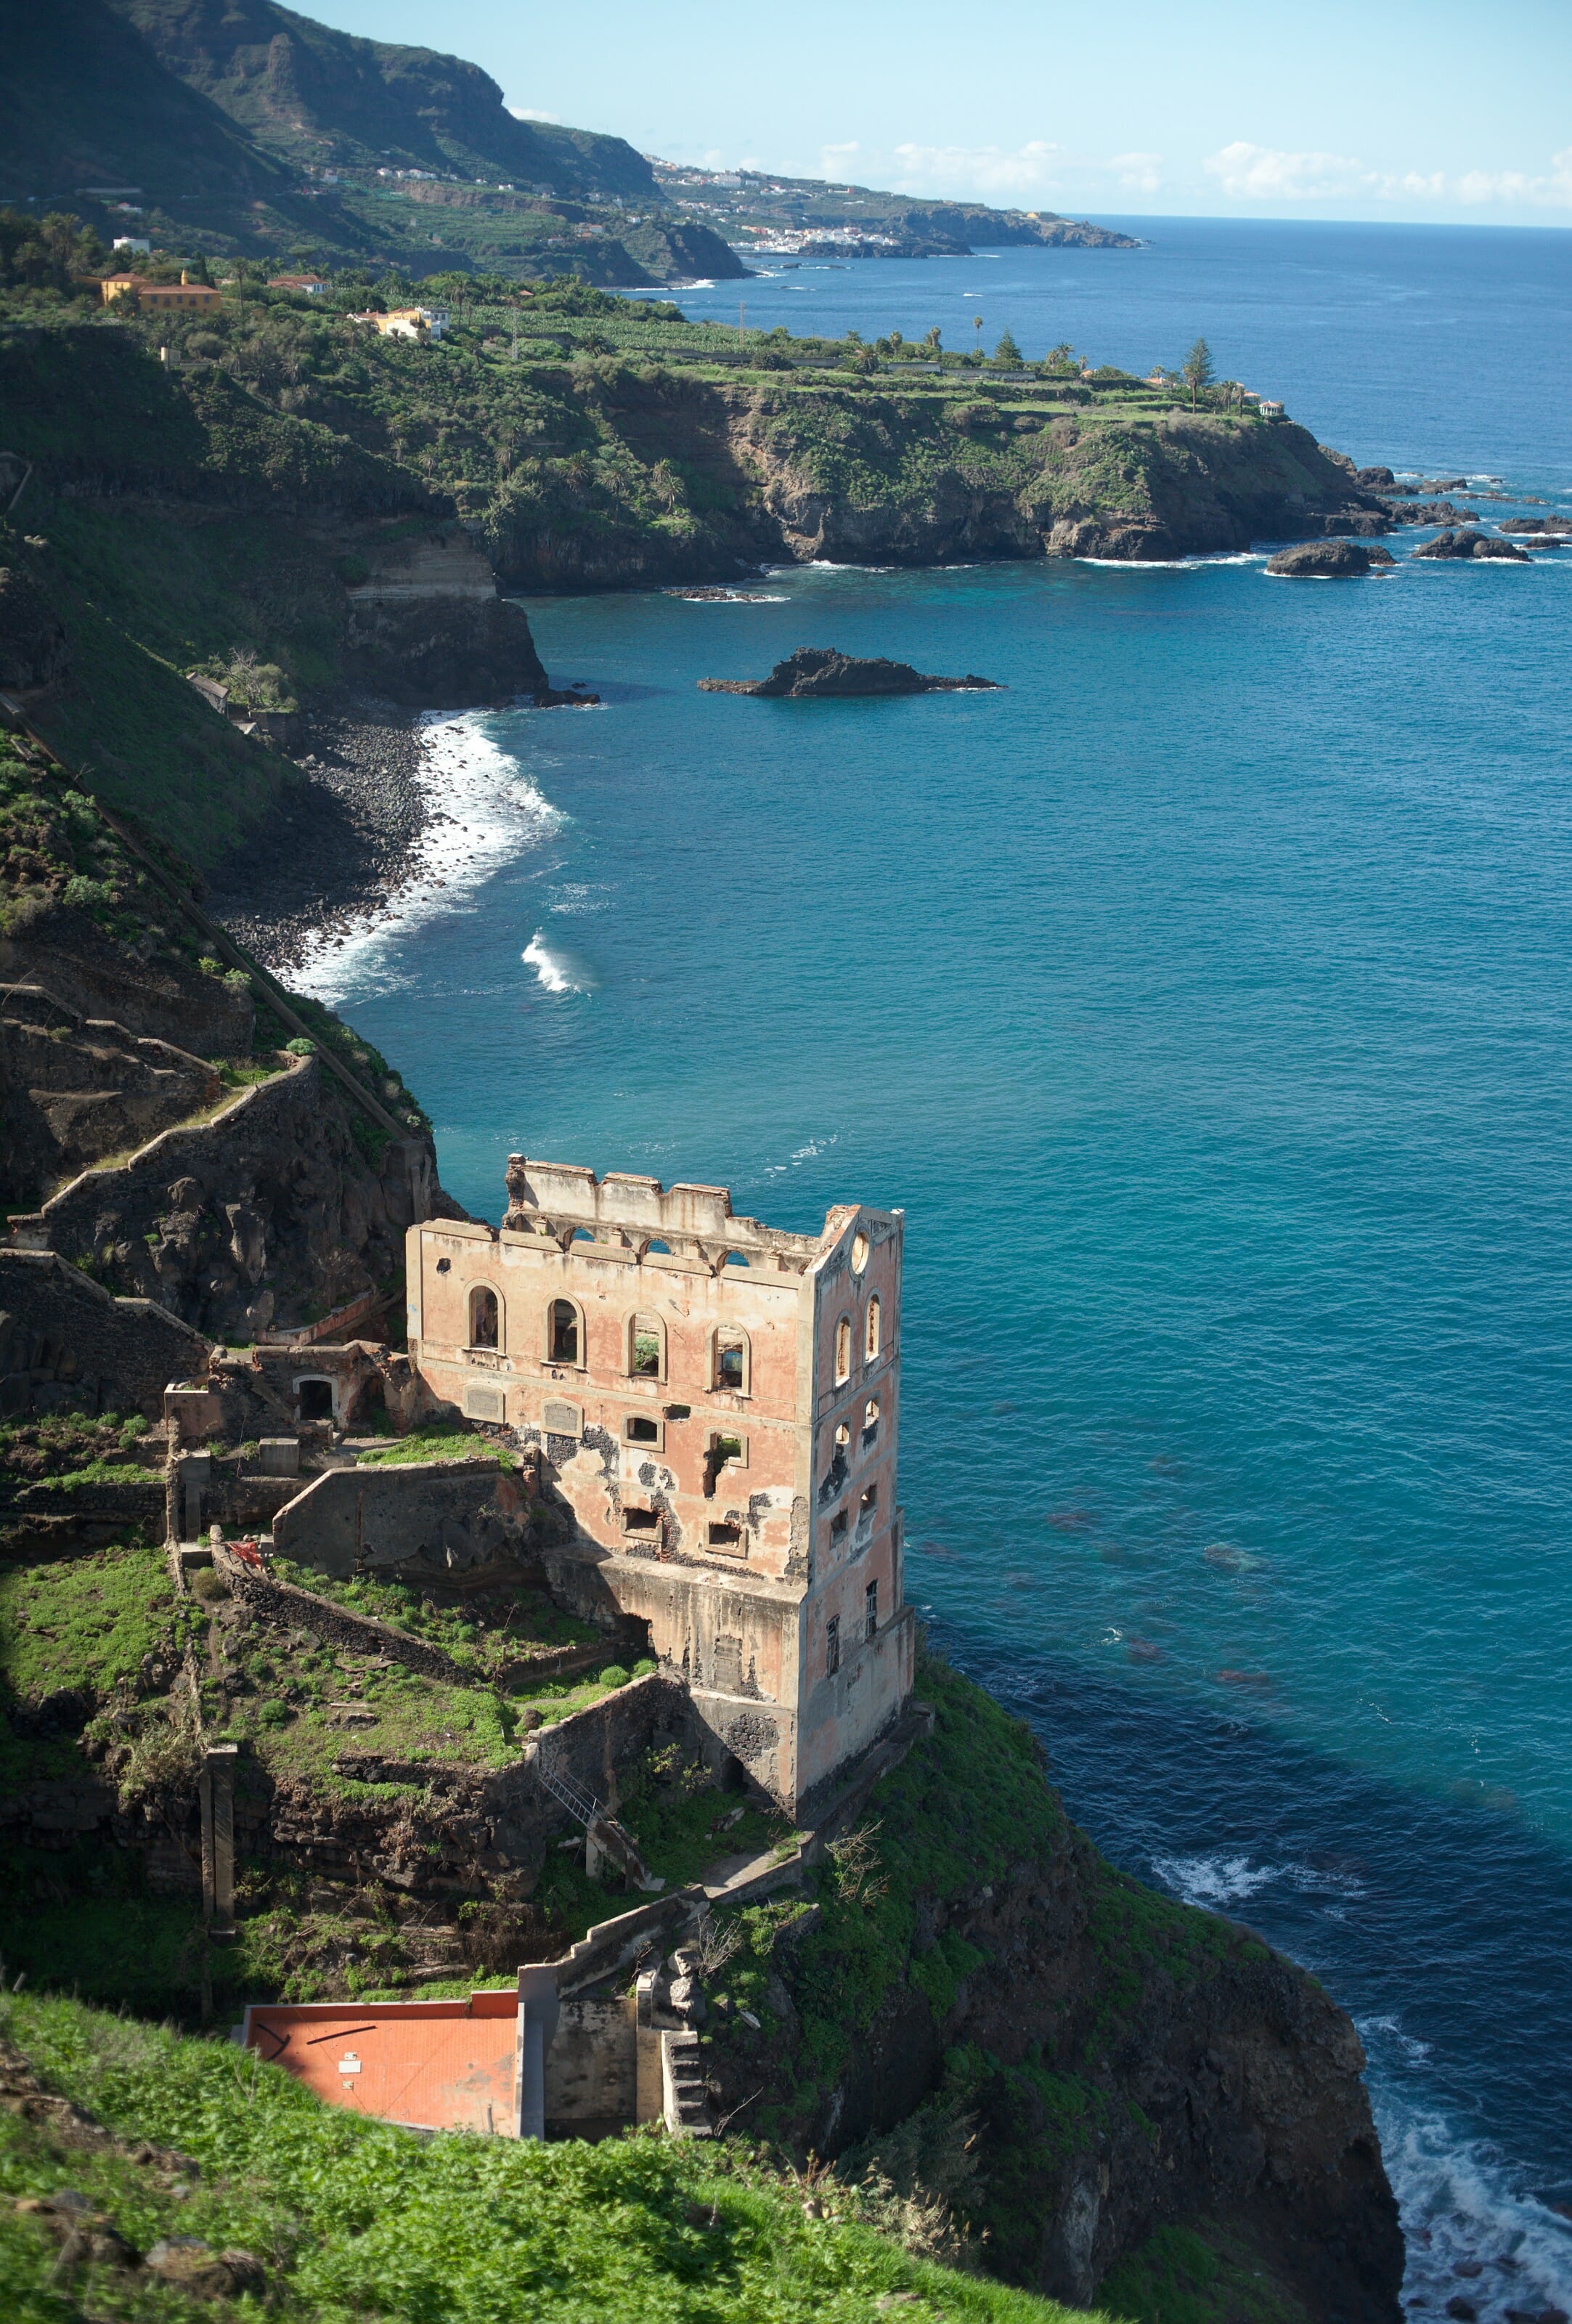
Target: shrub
x,y
614,1676
274,1714
300,1047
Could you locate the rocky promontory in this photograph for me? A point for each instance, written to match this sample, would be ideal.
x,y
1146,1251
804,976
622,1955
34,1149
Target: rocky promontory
x,y
819,671
1330,561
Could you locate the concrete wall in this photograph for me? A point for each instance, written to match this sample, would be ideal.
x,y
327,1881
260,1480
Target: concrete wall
x,y
590,2068
443,1515
856,1524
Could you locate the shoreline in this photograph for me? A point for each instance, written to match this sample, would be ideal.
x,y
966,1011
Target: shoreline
x,y
339,846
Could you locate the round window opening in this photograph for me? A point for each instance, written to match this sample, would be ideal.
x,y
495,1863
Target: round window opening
x,y
858,1253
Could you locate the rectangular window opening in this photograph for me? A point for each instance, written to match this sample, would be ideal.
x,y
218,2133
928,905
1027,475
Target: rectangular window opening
x,y
838,1524
832,1646
727,1539
641,1521
638,1428
871,1606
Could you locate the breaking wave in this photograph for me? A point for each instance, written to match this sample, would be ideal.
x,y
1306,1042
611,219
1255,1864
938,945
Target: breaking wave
x,y
482,811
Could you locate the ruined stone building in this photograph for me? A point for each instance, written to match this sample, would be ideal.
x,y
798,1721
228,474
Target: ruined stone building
x,y
717,1405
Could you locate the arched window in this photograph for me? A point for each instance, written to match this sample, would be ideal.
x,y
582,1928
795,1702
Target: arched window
x,y
565,1332
733,1361
843,1349
871,1331
486,1318
646,1347
870,1420
734,1258
858,1253
658,1249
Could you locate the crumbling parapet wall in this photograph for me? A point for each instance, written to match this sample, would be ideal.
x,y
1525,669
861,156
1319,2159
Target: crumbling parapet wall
x,y
436,1518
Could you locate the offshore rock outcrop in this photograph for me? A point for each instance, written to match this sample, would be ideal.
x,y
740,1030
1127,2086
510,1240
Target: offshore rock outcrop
x,y
1460,541
1328,560
820,672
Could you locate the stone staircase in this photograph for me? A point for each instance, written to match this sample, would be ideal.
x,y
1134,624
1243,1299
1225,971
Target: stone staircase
x,y
685,2097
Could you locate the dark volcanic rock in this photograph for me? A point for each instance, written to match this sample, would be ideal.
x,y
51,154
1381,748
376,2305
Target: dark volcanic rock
x,y
1329,559
1458,542
1365,523
1374,480
1432,512
1557,527
815,670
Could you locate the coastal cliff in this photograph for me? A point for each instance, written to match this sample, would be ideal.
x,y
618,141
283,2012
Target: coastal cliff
x,y
853,472
975,1996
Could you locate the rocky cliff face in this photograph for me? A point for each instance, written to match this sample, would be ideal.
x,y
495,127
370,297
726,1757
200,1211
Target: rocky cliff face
x,y
857,474
427,627
925,492
269,1212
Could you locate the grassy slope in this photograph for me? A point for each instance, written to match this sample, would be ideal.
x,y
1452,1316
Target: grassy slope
x,y
354,2217
146,591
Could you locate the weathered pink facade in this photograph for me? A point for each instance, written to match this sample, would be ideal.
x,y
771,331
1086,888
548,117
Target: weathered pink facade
x,y
717,1404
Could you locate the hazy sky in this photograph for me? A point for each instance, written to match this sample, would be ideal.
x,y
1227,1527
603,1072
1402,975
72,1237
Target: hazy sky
x,y
1444,109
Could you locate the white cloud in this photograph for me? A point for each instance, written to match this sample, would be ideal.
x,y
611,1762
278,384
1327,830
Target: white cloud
x,y
1264,174
532,113
1025,175
971,171
1139,173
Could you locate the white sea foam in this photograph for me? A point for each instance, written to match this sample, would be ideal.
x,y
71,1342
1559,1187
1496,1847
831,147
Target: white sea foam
x,y
1219,1878
801,1154
484,810
558,970
1174,564
1461,2201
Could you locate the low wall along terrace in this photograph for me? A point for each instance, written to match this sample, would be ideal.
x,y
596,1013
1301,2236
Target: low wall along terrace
x,y
435,1516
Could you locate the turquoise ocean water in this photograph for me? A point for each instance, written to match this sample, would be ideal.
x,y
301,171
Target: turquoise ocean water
x,y
1204,999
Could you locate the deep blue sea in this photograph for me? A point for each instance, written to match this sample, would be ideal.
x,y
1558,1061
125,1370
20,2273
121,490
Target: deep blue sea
x,y
1204,999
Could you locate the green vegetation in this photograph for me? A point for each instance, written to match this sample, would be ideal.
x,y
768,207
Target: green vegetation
x,y
437,1440
86,1622
1205,2275
353,2218
60,1446
488,1631
870,1940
